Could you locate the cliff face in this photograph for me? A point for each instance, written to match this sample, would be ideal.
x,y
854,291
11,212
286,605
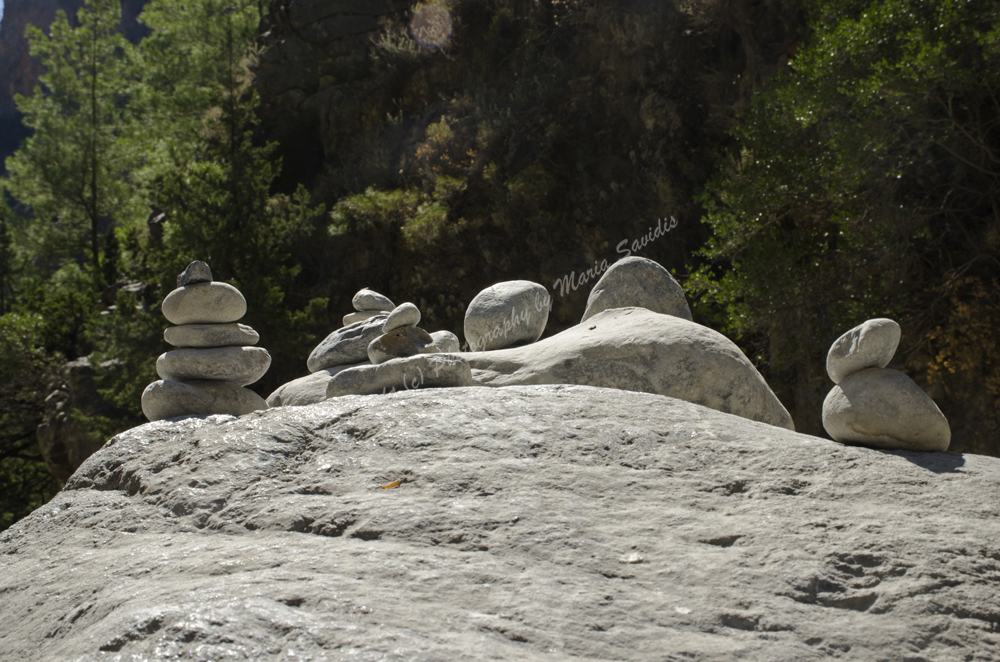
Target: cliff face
x,y
19,71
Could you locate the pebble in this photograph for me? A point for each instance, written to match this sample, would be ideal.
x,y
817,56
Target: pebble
x,y
868,345
366,300
405,314
196,272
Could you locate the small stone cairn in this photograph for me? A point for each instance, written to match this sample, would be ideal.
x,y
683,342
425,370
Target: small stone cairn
x,y
215,358
873,405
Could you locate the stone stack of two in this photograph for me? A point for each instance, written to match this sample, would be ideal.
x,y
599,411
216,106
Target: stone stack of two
x,y
215,358
876,406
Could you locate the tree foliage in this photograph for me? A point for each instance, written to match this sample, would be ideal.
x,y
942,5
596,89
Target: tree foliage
x,y
864,183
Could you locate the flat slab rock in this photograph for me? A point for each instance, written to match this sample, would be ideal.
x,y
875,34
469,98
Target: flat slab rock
x,y
529,523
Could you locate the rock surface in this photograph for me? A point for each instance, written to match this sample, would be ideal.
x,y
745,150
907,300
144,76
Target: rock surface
x,y
403,341
637,281
204,303
868,345
210,335
240,365
446,341
306,390
405,314
886,409
506,314
529,523
346,345
635,349
168,399
412,372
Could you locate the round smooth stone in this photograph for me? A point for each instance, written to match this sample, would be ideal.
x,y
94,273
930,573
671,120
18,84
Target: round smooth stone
x,y
404,341
210,335
240,365
168,399
405,314
196,272
637,282
507,314
366,300
446,341
868,345
204,303
885,409
351,318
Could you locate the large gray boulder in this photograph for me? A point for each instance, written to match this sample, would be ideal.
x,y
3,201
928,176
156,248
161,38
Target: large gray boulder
x,y
635,349
868,345
885,409
528,523
346,345
637,281
506,314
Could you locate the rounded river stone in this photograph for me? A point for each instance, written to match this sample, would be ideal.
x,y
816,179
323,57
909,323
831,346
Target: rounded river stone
x,y
868,345
204,303
210,335
405,314
366,300
506,314
636,281
168,399
240,365
404,341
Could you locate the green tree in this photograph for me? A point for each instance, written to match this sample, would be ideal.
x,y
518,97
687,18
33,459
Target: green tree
x,y
77,172
865,182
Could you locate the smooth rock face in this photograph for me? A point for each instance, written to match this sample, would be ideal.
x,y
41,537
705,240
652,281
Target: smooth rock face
x,y
446,341
168,399
529,523
405,314
240,365
211,335
635,349
204,303
367,300
346,345
351,318
306,390
414,372
404,341
636,281
868,345
886,409
196,272
506,314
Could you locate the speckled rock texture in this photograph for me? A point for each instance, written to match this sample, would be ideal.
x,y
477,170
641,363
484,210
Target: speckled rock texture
x,y
528,523
240,365
637,281
210,335
346,345
635,349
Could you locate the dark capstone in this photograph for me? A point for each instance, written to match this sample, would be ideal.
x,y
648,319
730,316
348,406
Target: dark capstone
x,y
196,272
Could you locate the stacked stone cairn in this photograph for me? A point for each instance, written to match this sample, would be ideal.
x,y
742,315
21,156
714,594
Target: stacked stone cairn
x,y
215,358
873,405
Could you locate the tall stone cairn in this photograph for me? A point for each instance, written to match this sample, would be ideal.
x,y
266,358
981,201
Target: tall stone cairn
x,y
215,358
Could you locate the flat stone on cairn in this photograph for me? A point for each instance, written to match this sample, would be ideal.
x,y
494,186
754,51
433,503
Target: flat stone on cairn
x,y
207,375
876,406
347,344
637,281
399,343
506,314
351,318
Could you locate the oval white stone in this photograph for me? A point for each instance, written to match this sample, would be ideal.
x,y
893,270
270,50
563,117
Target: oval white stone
x,y
204,303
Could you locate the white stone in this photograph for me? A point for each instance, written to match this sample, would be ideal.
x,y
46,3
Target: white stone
x,y
210,335
366,300
351,318
636,281
347,345
204,303
885,409
168,399
446,341
635,349
868,345
506,314
240,365
405,314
